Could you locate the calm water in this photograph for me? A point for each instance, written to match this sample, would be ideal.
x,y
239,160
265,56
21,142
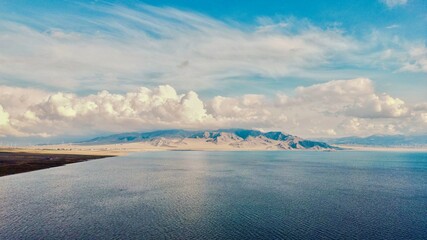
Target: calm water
x,y
222,195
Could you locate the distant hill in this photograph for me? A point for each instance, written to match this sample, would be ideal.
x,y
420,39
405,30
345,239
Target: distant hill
x,y
236,138
382,141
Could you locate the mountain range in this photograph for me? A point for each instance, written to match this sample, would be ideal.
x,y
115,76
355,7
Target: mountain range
x,y
381,141
230,138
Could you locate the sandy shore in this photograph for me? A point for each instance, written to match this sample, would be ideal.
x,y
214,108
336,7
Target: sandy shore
x,y
189,145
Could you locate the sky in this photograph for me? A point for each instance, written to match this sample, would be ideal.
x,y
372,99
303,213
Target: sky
x,y
310,68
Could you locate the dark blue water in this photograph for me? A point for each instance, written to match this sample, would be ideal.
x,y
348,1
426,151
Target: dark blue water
x,y
222,195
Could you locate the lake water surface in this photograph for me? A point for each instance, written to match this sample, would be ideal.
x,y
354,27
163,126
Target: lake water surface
x,y
222,195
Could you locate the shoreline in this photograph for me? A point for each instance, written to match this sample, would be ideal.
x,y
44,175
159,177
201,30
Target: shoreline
x,y
21,161
126,148
26,159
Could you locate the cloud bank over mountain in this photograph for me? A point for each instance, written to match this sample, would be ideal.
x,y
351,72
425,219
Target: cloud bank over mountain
x,y
103,67
334,108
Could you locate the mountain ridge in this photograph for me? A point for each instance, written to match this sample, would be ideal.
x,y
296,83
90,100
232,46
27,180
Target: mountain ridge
x,y
398,140
235,137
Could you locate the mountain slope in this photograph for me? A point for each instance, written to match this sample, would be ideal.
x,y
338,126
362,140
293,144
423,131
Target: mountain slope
x,y
235,138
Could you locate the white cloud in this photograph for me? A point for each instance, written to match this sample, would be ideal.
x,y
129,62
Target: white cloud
x,y
393,26
336,90
120,48
143,108
378,106
394,3
417,60
5,127
15,99
4,117
249,109
357,126
355,97
153,43
335,108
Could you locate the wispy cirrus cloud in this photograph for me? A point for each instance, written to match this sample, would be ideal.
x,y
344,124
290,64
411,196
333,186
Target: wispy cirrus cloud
x,y
394,3
120,48
417,60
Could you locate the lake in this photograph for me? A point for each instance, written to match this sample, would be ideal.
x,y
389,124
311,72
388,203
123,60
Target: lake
x,y
222,195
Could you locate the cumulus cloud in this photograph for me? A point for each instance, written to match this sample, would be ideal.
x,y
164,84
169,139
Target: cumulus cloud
x,y
378,106
355,97
334,108
144,108
4,117
394,3
5,127
15,99
249,109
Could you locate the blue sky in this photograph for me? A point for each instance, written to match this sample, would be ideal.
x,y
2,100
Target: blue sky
x,y
251,53
358,19
353,16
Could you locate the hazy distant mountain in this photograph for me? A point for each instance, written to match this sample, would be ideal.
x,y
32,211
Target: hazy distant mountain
x,y
236,138
382,140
